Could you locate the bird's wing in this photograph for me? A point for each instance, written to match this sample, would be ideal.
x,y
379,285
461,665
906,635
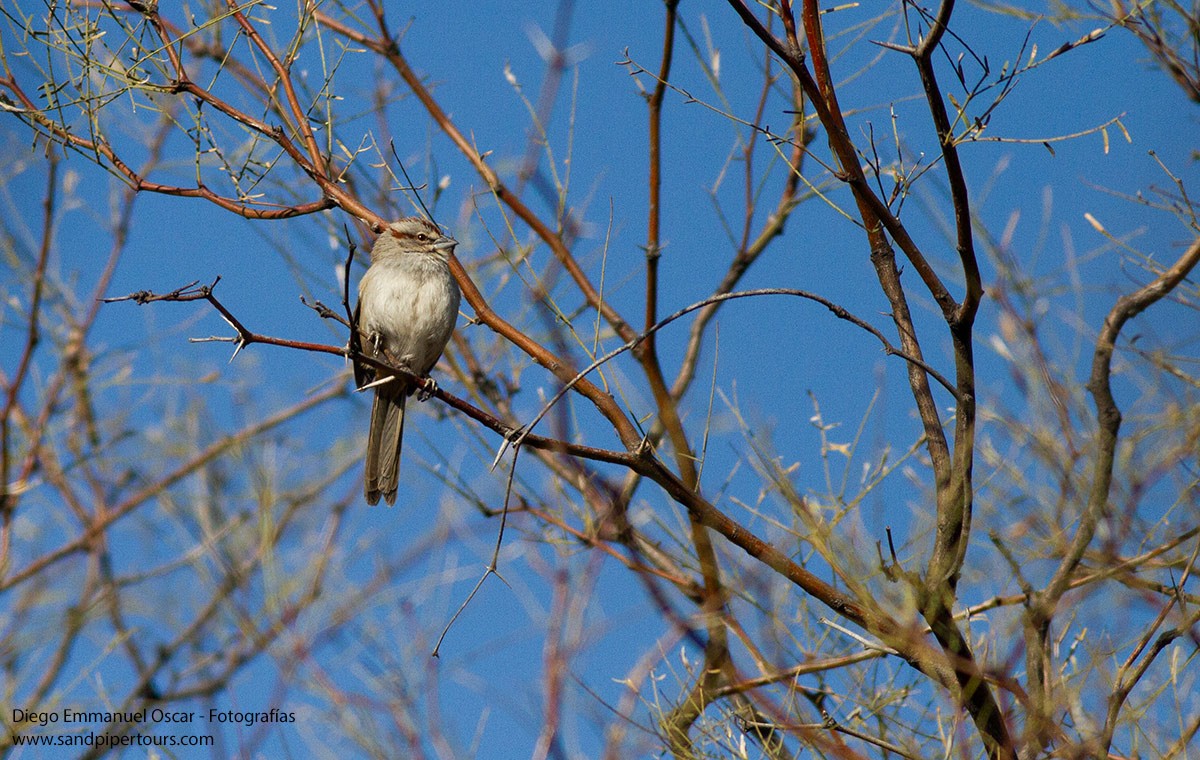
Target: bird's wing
x,y
363,373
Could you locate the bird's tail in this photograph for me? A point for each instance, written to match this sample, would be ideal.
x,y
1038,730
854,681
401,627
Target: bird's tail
x,y
381,477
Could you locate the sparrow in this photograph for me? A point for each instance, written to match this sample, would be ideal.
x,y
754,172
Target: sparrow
x,y
407,307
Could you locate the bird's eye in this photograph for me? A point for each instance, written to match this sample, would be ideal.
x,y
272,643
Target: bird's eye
x,y
422,237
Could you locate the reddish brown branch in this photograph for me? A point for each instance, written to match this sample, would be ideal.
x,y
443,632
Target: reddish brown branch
x,y
101,147
386,46
299,115
875,218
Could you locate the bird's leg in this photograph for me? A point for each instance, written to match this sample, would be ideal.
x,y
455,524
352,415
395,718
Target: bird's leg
x,y
427,389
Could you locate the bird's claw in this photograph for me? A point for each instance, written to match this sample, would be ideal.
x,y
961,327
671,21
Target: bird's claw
x,y
427,389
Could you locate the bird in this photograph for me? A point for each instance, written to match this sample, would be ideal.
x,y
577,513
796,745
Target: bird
x,y
407,308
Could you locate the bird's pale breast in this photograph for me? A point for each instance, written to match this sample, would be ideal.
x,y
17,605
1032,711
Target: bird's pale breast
x,y
412,304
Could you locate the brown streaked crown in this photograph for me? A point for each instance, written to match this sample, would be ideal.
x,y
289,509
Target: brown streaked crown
x,y
414,232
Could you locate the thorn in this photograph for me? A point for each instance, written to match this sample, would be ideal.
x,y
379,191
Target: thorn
x,y
496,573
499,454
376,383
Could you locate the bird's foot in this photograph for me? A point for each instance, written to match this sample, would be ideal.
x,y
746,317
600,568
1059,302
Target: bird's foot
x,y
427,389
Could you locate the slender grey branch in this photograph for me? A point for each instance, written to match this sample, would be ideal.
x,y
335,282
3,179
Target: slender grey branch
x,y
839,311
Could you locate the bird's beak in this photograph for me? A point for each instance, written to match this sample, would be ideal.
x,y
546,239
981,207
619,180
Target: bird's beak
x,y
445,243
